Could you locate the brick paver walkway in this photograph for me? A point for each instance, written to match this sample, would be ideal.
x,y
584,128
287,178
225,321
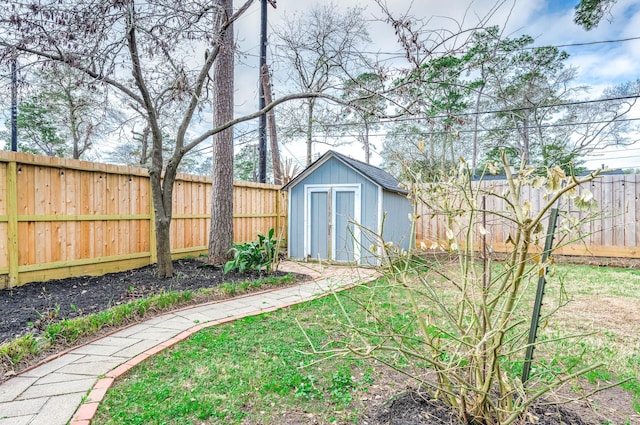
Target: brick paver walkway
x,y
67,388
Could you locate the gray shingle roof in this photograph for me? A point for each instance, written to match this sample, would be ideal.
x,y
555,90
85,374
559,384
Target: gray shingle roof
x,y
375,174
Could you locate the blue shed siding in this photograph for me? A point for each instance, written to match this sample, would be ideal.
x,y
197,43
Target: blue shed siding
x,y
397,226
296,222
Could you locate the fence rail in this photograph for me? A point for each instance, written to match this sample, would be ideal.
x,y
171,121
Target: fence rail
x,y
615,232
63,217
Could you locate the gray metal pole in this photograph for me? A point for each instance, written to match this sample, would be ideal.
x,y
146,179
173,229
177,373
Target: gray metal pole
x,y
262,128
14,106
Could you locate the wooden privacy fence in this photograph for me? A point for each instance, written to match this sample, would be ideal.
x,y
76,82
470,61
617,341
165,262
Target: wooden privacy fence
x,y
62,217
615,232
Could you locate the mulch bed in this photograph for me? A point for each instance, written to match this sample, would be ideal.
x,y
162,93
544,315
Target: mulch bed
x,y
30,307
413,408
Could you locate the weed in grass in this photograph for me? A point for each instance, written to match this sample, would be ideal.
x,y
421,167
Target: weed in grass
x,y
342,385
21,348
598,375
634,361
308,389
633,385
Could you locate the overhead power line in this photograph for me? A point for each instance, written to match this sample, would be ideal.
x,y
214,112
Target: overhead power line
x,y
591,43
495,111
483,130
585,43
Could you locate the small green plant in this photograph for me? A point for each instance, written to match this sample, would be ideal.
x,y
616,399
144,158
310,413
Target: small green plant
x,y
47,316
308,388
341,388
255,255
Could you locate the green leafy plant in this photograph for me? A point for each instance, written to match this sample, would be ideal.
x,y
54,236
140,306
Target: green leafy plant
x,y
308,388
255,255
343,385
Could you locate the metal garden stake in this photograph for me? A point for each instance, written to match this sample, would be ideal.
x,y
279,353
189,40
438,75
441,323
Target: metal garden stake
x,y
535,317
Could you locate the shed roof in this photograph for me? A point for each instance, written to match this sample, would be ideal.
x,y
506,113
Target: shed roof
x,y
375,174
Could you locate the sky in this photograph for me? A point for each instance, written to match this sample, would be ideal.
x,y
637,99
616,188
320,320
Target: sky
x,y
549,22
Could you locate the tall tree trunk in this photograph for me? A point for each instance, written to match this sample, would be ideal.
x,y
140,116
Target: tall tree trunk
x,y
161,190
221,230
162,194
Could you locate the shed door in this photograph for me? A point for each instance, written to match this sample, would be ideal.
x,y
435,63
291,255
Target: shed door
x,y
319,228
344,219
330,229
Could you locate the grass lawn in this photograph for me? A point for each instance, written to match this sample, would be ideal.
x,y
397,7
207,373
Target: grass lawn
x,y
260,370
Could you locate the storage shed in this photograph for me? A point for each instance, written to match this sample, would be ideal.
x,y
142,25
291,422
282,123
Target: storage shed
x,y
337,207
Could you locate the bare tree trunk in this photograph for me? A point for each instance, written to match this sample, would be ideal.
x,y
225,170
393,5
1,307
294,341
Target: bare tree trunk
x,y
432,156
161,189
525,140
271,122
144,143
221,230
162,193
73,124
452,151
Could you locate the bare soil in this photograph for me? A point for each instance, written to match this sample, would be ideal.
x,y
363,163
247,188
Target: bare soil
x,y
391,402
414,408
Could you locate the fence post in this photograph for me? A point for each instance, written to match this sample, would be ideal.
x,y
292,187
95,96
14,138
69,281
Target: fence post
x,y
12,224
282,218
276,228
